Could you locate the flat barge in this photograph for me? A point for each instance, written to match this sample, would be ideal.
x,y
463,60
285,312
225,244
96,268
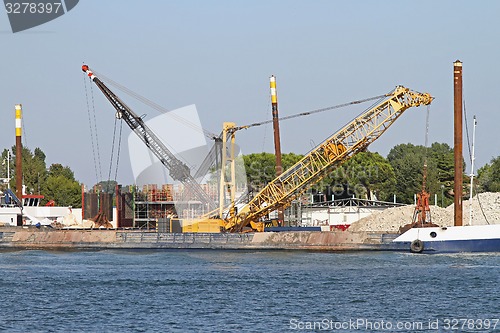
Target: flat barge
x,y
47,238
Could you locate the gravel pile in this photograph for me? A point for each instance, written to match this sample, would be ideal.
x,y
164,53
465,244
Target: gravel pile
x,y
490,203
392,218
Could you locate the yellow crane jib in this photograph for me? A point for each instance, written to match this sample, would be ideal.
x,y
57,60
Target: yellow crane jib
x,y
333,150
331,153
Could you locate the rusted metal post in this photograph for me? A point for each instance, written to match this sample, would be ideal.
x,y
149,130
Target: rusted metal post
x,y
457,74
118,203
19,153
83,203
277,142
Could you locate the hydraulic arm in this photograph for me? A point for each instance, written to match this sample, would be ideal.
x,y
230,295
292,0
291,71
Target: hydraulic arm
x,y
331,153
178,170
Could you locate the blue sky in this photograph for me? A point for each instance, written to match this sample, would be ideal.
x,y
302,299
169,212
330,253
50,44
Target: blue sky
x,y
219,55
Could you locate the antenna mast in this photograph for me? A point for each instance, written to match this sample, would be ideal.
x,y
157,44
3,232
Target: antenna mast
x,y
472,170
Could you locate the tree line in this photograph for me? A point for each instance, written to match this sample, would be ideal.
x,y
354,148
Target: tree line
x,y
372,176
57,182
366,175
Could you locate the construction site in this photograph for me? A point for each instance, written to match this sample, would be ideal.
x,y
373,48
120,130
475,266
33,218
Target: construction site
x,y
219,206
213,200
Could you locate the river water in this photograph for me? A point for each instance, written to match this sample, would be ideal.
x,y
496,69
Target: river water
x,y
248,291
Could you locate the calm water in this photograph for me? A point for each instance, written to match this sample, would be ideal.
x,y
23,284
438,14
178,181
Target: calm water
x,y
226,291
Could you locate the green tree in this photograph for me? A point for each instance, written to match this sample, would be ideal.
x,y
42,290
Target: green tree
x,y
489,176
444,158
408,160
260,168
369,174
33,167
57,169
58,183
288,160
64,191
62,187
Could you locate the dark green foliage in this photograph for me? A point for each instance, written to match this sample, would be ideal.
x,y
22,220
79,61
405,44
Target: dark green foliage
x,y
64,191
57,169
367,175
261,167
408,160
34,169
489,176
58,183
62,187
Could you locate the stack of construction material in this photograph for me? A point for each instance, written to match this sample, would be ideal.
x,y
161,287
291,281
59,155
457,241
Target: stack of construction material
x,y
391,219
486,210
167,192
152,193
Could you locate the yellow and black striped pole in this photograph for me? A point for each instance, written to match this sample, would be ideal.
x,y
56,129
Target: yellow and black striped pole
x,y
19,153
277,142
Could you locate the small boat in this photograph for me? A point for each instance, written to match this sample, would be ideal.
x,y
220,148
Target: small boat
x,y
471,238
15,212
458,238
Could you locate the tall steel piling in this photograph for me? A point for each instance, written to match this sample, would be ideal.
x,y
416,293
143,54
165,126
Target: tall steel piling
x,y
457,191
19,153
277,142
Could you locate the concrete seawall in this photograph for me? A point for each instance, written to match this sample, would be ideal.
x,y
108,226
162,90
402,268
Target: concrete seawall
x,y
32,238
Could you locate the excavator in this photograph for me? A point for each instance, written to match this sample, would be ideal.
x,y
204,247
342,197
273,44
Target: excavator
x,y
351,139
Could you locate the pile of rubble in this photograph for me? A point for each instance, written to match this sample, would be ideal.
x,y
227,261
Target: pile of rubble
x,y
391,219
485,209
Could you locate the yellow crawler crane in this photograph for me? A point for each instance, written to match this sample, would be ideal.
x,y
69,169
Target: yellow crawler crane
x,y
331,153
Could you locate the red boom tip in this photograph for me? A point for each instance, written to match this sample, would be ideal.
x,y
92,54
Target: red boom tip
x,y
85,68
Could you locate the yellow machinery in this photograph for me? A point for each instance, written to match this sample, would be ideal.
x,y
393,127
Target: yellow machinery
x,y
331,153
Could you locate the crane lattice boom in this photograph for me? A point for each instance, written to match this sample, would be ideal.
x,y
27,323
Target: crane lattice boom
x,y
178,170
337,149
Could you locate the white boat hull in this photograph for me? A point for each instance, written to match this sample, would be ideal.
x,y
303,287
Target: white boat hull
x,y
43,214
479,238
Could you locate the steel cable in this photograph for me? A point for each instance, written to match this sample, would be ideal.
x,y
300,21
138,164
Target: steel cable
x,y
470,158
96,134
91,130
307,113
156,106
